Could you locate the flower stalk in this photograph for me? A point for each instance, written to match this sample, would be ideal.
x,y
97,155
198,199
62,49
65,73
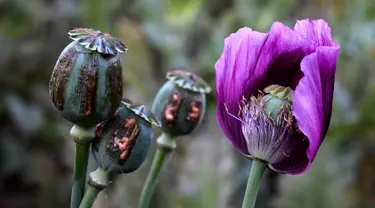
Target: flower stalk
x,y
253,183
90,196
98,180
166,145
82,137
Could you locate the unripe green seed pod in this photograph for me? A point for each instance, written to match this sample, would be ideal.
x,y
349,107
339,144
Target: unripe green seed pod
x,y
278,99
181,103
86,82
122,142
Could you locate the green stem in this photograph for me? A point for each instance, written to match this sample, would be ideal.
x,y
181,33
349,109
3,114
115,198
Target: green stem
x,y
166,145
90,196
80,167
253,183
82,138
149,186
98,180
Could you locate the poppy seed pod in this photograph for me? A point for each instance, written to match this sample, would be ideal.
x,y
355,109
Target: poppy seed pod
x,y
180,103
277,100
122,142
86,82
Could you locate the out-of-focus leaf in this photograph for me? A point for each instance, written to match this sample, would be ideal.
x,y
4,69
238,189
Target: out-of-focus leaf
x,y
28,118
14,19
184,10
14,155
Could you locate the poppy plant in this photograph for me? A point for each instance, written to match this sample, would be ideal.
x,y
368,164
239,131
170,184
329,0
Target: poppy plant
x,y
274,93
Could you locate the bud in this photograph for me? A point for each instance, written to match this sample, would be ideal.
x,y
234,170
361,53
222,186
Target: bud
x,y
86,82
122,142
181,103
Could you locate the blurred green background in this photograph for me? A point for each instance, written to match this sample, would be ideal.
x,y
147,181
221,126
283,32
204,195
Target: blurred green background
x,y
37,154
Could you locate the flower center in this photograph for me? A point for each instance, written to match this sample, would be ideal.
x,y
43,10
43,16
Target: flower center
x,y
269,111
277,101
285,93
268,124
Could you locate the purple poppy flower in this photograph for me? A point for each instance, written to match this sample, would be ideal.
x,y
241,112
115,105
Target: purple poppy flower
x,y
302,61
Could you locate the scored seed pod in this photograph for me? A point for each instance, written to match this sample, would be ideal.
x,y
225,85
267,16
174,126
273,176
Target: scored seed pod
x,y
86,82
122,142
180,103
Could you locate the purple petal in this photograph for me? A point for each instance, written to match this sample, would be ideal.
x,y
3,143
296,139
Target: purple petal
x,y
312,102
295,160
250,62
315,30
280,56
233,69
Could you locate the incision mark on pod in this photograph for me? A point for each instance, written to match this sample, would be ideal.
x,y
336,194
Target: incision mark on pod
x,y
114,84
171,109
60,77
126,142
90,82
193,114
